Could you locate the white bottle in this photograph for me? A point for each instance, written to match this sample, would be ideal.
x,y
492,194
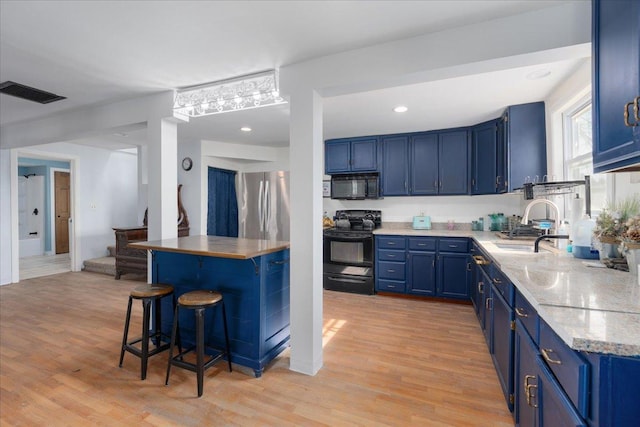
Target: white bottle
x,y
563,229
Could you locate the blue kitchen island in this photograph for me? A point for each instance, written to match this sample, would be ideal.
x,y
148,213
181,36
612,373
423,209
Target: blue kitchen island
x,y
252,276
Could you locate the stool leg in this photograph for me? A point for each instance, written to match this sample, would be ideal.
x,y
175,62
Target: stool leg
x,y
226,335
173,341
200,348
146,314
126,332
157,321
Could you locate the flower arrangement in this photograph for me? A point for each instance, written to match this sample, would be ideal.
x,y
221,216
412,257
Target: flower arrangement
x,y
631,236
613,223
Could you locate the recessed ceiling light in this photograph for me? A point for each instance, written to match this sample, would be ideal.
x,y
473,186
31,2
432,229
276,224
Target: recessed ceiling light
x,y
539,74
400,109
245,129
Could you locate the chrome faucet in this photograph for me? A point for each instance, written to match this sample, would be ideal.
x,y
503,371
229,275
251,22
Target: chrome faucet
x,y
554,207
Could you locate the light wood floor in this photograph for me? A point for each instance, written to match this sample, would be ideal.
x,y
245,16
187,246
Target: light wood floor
x,y
44,265
387,362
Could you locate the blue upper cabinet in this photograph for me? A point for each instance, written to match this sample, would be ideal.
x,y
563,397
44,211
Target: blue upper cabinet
x,y
616,85
395,161
351,155
453,165
484,158
423,156
423,164
526,144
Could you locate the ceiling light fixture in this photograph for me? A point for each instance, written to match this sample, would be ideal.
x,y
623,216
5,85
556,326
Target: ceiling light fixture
x,y
538,74
239,93
400,109
245,129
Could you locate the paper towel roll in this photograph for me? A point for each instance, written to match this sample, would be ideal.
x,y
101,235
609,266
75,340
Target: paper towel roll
x,y
577,210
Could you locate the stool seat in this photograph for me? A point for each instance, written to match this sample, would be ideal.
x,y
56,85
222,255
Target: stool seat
x,y
151,290
199,298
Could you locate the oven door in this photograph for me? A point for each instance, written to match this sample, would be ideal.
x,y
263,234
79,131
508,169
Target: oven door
x,y
348,249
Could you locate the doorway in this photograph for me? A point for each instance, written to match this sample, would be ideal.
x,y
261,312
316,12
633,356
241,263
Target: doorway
x,y
62,203
57,254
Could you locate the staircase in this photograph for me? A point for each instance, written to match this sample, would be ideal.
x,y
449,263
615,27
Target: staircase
x,y
104,265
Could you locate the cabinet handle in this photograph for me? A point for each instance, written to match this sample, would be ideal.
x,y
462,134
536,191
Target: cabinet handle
x,y
468,266
527,389
545,353
422,244
487,303
481,287
391,271
453,246
636,108
497,281
440,184
391,243
391,286
435,183
479,260
626,114
473,182
521,313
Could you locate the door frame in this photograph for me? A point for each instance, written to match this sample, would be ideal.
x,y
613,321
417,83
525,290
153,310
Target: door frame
x,y
74,243
52,207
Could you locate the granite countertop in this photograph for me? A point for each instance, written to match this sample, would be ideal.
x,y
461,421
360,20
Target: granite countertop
x,y
591,309
215,246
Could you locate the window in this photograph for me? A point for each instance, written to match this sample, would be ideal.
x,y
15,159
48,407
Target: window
x,y
578,147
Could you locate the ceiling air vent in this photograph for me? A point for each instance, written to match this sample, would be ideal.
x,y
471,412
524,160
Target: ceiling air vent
x,y
29,93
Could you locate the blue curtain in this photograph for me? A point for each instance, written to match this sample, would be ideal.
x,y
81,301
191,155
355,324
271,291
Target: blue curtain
x,y
222,206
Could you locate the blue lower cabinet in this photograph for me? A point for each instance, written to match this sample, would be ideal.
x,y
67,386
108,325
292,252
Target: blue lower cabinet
x,y
454,275
427,271
525,378
502,338
422,273
256,296
554,407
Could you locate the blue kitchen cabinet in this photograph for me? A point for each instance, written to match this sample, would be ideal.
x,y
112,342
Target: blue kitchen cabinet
x,y
525,378
421,264
423,158
524,134
616,85
554,408
353,155
422,273
484,158
453,162
395,165
502,342
501,156
454,274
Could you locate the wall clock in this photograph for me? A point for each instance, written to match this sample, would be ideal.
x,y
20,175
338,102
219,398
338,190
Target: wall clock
x,y
187,163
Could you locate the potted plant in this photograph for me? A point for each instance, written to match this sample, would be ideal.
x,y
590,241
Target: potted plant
x,y
611,226
631,242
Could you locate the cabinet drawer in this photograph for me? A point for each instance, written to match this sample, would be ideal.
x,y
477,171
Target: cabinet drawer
x,y
391,242
391,286
571,370
391,270
527,315
422,243
502,284
391,255
453,245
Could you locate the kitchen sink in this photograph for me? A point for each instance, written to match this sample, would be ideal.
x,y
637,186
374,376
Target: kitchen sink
x,y
519,247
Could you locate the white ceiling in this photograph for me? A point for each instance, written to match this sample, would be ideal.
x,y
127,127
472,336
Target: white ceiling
x,y
97,52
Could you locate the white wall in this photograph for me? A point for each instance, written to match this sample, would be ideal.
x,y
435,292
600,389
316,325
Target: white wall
x,y
5,217
107,195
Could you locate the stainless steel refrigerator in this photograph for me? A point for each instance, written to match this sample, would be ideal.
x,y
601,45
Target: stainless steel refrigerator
x,y
263,205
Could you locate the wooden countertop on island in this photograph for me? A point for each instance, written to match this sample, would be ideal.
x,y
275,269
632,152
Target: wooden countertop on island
x,y
215,246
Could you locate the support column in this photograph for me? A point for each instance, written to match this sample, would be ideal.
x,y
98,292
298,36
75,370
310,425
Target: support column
x,y
162,167
306,231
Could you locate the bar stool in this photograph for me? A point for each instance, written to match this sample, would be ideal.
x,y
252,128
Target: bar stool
x,y
147,293
198,301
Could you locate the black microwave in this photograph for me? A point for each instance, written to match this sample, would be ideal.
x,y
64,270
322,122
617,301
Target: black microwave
x,y
355,187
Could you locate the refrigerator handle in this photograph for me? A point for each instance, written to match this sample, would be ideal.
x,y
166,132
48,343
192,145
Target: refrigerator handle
x,y
267,208
261,206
